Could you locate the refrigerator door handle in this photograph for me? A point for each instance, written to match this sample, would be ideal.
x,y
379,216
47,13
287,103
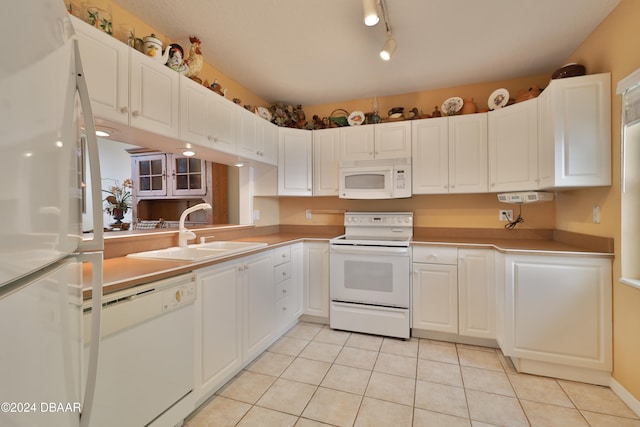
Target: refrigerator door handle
x,y
94,258
97,242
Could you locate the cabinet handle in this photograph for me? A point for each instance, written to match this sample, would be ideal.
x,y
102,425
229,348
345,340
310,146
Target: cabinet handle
x,y
124,110
136,113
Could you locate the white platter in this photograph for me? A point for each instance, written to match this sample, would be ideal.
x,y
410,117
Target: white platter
x,y
498,99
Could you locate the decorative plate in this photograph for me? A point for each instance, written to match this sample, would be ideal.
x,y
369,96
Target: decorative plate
x,y
452,105
498,98
356,118
264,113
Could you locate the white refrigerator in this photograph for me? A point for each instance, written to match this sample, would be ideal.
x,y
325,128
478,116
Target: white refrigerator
x,y
44,110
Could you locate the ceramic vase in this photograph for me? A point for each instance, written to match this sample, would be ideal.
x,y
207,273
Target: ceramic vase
x,y
468,106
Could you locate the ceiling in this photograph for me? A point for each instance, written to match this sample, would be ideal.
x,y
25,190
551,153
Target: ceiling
x,y
313,52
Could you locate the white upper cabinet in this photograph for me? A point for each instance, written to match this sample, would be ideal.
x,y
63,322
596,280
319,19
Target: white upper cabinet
x,y
153,96
106,66
392,140
468,154
356,142
513,147
126,86
206,118
430,156
267,142
326,158
294,162
450,155
381,141
574,127
257,138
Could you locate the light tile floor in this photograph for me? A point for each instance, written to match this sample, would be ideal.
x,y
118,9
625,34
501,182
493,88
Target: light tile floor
x,y
315,376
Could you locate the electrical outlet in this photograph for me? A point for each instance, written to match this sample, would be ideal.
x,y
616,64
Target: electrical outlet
x,y
256,215
308,214
596,214
505,215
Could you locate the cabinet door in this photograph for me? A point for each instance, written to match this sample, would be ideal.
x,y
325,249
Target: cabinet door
x,y
580,122
154,96
247,134
435,297
260,304
193,112
468,153
357,143
294,162
476,293
316,279
326,159
150,175
105,62
221,121
267,142
392,140
558,310
219,326
188,176
513,147
430,147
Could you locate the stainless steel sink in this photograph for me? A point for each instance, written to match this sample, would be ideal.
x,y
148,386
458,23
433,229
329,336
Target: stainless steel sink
x,y
199,252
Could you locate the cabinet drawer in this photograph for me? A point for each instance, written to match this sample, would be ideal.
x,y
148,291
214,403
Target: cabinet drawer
x,y
283,310
435,255
282,290
281,272
281,255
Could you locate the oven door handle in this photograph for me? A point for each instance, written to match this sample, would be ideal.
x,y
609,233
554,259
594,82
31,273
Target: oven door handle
x,y
369,250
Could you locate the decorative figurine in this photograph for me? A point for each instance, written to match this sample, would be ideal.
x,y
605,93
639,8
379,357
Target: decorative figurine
x,y
175,61
195,60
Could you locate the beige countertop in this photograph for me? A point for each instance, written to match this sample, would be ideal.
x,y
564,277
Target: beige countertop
x,y
122,272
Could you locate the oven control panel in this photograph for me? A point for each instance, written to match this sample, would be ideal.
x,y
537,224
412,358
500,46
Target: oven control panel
x,y
379,219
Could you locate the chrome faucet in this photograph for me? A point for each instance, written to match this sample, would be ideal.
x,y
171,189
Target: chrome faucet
x,y
183,234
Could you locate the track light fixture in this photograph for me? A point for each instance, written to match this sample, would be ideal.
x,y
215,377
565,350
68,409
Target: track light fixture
x,y
370,11
371,18
389,47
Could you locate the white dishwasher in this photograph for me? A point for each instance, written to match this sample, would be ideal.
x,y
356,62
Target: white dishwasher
x,y
145,370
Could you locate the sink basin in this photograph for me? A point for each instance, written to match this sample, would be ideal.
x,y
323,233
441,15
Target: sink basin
x,y
232,246
199,252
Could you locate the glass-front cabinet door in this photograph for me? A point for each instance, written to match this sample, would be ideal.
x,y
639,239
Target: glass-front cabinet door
x,y
188,176
150,175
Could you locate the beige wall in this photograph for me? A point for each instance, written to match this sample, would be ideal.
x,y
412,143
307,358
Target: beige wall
x,y
613,47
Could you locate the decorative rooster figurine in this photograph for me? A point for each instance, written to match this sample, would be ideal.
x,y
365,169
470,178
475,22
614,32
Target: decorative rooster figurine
x,y
194,61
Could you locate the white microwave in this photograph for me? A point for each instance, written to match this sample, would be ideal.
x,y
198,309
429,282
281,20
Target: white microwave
x,y
375,179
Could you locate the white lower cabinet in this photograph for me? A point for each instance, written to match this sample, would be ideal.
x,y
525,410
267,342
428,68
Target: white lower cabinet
x,y
476,293
260,316
316,279
287,277
242,307
557,317
435,289
454,291
218,326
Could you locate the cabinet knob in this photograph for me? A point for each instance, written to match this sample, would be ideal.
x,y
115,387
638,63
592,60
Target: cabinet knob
x,y
124,110
284,291
178,295
284,308
136,113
